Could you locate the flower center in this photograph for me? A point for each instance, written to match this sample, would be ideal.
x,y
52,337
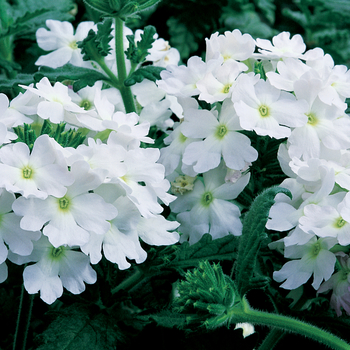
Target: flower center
x,y
73,45
56,252
27,172
264,111
312,119
63,203
182,184
182,138
86,104
340,222
226,89
207,198
221,131
316,249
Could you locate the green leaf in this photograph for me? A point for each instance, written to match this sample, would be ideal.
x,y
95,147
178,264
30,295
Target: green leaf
x,y
181,37
268,8
76,327
120,8
138,51
80,76
252,236
96,45
167,318
149,72
187,255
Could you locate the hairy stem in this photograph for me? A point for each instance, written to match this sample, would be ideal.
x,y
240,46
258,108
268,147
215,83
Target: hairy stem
x,y
125,91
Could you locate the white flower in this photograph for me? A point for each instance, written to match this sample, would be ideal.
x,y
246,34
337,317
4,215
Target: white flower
x,y
267,110
171,156
218,82
69,219
326,124
12,237
33,174
220,139
230,45
282,46
55,268
63,41
207,208
128,133
181,80
57,106
330,219
314,258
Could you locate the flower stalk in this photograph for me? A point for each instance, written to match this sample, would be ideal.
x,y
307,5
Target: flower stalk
x,y
125,91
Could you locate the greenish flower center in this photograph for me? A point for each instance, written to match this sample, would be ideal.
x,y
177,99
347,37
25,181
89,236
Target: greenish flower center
x,y
207,198
56,252
86,104
264,111
221,131
27,172
63,203
226,89
312,119
182,138
316,249
73,45
340,222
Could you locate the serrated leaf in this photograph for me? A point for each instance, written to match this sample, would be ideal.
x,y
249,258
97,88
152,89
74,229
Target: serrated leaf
x,y
80,76
138,51
166,319
206,248
149,72
253,234
96,45
76,327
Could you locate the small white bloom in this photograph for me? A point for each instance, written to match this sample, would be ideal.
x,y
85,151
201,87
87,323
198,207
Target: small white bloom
x,y
63,42
55,268
267,110
221,139
33,174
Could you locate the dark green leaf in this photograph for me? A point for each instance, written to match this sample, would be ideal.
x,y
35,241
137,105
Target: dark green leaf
x,y
149,72
268,8
167,319
252,236
138,51
96,45
224,248
76,327
80,76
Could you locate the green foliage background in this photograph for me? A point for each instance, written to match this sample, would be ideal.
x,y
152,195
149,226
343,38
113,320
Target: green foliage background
x,y
112,312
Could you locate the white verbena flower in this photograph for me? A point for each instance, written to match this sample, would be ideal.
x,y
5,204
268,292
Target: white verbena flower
x,y
60,39
221,139
69,219
55,268
267,110
207,208
35,174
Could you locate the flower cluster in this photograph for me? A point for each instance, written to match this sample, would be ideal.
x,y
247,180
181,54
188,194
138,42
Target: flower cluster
x,y
296,96
62,208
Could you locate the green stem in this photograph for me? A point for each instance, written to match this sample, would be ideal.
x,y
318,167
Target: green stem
x,y
125,91
129,282
23,320
237,314
271,340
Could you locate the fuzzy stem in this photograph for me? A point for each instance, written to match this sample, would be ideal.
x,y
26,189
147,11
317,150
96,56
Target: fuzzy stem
x,y
271,340
246,314
125,91
129,282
